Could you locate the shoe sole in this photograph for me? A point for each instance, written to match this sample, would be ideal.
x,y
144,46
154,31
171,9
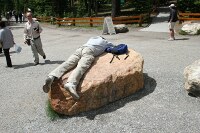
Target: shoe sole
x,y
46,88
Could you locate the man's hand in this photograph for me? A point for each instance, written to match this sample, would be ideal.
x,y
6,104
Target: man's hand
x,y
27,42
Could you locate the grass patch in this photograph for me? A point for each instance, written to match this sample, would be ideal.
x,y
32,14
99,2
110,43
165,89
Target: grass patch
x,y
198,32
50,112
181,32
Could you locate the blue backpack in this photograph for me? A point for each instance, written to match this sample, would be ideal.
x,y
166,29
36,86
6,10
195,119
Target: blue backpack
x,y
118,50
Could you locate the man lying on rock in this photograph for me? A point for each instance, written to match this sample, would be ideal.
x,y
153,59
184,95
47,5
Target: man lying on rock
x,y
81,60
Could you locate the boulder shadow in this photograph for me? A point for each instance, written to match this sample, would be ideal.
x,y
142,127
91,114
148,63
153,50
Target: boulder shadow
x,y
149,87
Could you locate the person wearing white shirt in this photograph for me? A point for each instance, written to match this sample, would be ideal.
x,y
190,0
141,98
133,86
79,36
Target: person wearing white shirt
x,y
32,32
81,60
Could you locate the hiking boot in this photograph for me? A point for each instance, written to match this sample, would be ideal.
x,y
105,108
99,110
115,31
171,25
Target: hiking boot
x,y
47,85
171,39
72,90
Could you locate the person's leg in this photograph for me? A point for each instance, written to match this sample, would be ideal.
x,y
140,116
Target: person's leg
x,y
38,44
7,55
0,50
171,29
172,34
83,65
35,53
61,69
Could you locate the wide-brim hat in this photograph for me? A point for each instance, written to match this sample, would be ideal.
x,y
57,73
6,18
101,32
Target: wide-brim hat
x,y
172,5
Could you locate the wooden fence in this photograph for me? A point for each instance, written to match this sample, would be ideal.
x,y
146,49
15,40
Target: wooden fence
x,y
91,21
188,16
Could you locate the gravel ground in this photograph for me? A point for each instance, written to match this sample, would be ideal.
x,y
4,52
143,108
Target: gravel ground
x,y
163,105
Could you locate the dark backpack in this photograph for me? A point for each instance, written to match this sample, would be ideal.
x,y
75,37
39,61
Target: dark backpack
x,y
118,50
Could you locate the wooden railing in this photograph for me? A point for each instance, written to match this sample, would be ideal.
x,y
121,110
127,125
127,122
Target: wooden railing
x,y
130,19
91,21
188,16
79,21
46,19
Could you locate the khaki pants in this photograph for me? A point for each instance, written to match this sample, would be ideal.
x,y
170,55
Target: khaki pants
x,y
81,59
36,47
171,25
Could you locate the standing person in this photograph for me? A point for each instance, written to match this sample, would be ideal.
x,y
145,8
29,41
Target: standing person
x,y
7,41
81,60
32,32
16,16
20,16
173,17
0,48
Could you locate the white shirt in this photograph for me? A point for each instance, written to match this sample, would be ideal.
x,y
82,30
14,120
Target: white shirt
x,y
29,31
98,45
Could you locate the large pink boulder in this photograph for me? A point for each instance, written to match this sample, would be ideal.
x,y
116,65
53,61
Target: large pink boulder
x,y
103,83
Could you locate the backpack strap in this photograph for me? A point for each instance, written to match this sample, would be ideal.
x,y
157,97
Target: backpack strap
x,y
127,55
114,57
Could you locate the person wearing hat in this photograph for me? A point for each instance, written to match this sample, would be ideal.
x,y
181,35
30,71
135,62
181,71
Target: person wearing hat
x,y
172,21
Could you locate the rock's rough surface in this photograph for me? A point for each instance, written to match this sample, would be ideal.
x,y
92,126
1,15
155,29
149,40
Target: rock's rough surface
x,y
103,83
192,78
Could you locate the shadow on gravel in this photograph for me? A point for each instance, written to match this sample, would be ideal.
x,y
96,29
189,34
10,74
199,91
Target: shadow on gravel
x,y
32,64
23,65
51,62
149,87
182,39
2,54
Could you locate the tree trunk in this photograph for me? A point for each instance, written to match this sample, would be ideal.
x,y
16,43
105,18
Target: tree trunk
x,y
115,8
89,8
96,7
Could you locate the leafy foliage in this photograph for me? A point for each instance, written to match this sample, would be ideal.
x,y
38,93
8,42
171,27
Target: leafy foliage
x,y
80,8
189,5
142,6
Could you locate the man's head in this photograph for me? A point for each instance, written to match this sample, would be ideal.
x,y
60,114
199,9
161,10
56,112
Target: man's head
x,y
29,16
2,24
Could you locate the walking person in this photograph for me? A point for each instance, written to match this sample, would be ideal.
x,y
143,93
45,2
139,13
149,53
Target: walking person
x,y
32,32
7,41
173,17
81,60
